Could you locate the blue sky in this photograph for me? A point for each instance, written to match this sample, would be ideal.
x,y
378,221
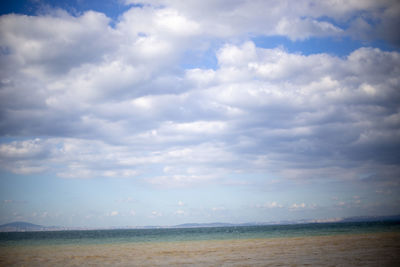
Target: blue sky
x,y
130,113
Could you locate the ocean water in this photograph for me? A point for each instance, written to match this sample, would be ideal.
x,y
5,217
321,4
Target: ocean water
x,y
98,237
330,244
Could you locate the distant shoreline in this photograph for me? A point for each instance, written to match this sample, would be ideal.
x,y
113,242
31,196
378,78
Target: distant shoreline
x,y
29,227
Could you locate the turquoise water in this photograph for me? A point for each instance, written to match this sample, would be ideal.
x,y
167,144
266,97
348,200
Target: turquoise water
x,y
192,234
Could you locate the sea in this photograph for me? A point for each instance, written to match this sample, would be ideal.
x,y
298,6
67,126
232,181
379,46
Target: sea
x,y
122,236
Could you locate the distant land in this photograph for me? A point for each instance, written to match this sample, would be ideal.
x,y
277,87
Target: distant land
x,y
23,226
338,220
28,227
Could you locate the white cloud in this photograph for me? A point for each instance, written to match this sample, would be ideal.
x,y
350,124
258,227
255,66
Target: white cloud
x,y
120,173
218,209
23,149
110,101
341,203
113,213
179,212
181,180
296,20
296,206
270,205
300,29
40,43
284,106
174,23
155,214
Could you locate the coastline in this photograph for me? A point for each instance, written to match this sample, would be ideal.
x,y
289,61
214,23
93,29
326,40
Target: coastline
x,y
373,249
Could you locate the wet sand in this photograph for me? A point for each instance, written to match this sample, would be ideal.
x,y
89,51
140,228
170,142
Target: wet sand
x,y
378,249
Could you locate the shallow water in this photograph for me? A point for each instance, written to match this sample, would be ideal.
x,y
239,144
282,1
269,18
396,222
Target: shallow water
x,y
331,244
191,234
372,249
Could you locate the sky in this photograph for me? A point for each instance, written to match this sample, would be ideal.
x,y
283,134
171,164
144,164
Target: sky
x,y
132,113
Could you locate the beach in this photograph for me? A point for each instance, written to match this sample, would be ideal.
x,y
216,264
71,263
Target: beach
x,y
373,249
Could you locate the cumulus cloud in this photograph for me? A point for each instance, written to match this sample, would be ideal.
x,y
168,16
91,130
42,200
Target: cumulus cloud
x,y
285,106
113,213
179,212
270,205
155,214
218,209
114,101
54,43
297,206
299,29
303,19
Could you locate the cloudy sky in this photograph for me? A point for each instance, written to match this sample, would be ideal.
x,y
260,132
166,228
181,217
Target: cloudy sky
x,y
126,112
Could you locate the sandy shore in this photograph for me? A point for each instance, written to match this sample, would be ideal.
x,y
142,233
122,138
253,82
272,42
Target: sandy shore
x,y
379,249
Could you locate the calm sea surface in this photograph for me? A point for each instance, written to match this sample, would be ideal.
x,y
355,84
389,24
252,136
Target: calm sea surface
x,y
92,237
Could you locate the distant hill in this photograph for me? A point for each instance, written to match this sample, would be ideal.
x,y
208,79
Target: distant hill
x,y
372,218
194,225
24,226
394,218
21,226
